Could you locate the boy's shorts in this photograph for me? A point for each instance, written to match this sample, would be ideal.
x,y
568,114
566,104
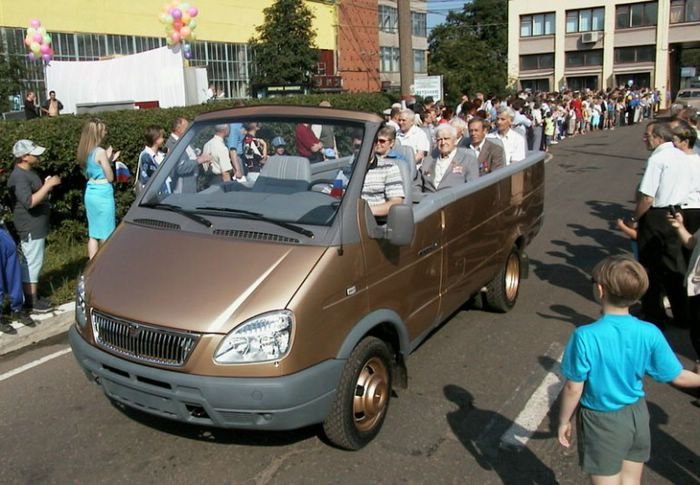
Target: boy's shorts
x,y
605,439
32,259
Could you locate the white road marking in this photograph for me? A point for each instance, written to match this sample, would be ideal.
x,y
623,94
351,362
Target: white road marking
x,y
536,408
33,364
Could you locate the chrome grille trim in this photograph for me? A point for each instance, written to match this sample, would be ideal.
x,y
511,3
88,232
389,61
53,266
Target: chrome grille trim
x,y
141,342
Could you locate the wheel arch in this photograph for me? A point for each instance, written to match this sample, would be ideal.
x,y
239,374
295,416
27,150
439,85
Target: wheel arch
x,y
384,324
387,326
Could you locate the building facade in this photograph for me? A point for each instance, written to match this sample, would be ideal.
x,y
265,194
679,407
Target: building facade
x,y
600,44
388,55
86,30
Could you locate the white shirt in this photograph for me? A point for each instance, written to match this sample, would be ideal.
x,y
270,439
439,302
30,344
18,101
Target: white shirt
x,y
394,125
666,177
514,145
220,158
414,138
477,148
441,166
693,201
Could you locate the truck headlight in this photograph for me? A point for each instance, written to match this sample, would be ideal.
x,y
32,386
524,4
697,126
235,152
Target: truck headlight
x,y
80,304
262,338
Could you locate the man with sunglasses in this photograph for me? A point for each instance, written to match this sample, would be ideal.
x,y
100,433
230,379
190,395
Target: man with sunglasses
x,y
383,185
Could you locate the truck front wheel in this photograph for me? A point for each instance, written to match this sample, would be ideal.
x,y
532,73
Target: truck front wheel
x,y
362,399
502,292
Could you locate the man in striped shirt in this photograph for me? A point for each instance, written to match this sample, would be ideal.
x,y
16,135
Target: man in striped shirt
x,y
383,186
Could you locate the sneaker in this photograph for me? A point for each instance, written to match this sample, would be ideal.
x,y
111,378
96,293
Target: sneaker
x,y
554,142
5,326
41,305
22,317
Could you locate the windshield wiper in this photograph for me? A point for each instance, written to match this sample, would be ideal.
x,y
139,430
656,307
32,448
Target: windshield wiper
x,y
256,216
179,210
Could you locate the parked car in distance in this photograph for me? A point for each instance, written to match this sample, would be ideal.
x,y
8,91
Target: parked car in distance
x,y
688,97
283,302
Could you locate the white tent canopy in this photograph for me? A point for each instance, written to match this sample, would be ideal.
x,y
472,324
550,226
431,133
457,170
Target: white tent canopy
x,y
155,75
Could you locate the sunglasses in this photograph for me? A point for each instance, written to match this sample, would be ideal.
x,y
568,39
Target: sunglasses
x,y
381,141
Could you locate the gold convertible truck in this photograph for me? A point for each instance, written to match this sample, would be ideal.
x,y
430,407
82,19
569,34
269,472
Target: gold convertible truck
x,y
280,301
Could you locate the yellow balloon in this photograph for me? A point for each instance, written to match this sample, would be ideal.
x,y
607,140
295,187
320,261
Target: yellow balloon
x,y
185,18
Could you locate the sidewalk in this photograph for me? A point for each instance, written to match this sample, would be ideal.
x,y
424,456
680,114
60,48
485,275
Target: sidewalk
x,y
47,325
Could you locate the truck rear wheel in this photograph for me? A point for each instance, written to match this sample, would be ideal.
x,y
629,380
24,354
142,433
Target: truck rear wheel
x,y
502,292
363,395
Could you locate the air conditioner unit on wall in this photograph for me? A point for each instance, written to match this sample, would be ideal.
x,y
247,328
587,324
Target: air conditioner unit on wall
x,y
590,37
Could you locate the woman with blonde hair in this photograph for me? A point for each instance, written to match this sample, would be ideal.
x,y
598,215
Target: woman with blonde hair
x,y
99,194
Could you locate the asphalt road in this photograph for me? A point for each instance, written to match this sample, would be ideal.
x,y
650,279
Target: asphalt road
x,y
467,383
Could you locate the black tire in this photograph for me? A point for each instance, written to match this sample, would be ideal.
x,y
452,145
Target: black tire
x,y
362,400
502,292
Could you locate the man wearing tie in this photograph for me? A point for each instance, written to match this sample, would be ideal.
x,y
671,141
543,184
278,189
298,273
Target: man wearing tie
x,y
488,151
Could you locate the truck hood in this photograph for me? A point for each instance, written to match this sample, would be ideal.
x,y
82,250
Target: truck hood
x,y
189,281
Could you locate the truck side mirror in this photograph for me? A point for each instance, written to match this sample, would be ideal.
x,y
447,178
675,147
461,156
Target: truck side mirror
x,y
400,227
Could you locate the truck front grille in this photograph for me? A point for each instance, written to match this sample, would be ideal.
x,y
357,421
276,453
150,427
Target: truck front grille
x,y
141,342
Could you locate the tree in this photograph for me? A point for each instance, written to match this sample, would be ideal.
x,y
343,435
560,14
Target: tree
x,y
283,48
470,49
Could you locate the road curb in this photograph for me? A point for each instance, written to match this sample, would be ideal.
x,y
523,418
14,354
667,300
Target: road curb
x,y
48,325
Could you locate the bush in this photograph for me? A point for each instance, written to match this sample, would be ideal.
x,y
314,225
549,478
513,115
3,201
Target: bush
x,y
60,136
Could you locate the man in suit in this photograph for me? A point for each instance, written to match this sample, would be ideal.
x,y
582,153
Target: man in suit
x,y
489,151
450,166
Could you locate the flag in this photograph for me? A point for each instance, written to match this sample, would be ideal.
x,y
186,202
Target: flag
x,y
123,174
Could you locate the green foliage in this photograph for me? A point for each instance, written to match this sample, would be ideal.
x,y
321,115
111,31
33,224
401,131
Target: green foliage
x,y
60,136
470,49
12,72
283,49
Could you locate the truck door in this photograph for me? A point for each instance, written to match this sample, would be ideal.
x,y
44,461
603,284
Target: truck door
x,y
406,279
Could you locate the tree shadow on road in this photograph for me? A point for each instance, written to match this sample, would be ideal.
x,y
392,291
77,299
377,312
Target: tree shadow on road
x,y
670,458
564,313
479,431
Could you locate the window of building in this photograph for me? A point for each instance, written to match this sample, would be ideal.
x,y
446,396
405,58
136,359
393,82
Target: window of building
x,y
227,63
581,83
389,59
536,61
388,19
534,25
585,20
584,58
419,64
541,85
685,11
419,24
640,53
636,15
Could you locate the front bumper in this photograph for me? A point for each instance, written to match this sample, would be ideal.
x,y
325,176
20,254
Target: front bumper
x,y
272,403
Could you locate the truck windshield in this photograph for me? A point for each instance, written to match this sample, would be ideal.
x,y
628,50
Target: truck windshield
x,y
288,171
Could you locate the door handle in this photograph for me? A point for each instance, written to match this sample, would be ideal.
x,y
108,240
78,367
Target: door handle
x,y
428,249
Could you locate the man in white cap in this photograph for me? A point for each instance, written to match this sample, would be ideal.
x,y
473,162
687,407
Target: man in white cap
x,y
31,217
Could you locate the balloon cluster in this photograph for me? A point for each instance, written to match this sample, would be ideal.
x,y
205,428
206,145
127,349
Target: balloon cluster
x,y
179,21
38,41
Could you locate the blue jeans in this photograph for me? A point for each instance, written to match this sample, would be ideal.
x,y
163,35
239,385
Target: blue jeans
x,y
11,277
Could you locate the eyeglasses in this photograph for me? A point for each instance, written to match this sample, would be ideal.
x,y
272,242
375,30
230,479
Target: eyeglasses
x,y
442,139
382,141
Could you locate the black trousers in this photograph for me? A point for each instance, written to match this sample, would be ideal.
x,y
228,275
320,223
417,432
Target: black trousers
x,y
660,252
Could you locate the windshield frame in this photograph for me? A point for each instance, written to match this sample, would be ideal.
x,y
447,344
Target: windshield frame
x,y
368,123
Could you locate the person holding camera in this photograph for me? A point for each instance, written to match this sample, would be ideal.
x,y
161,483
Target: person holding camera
x,y
666,182
31,217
